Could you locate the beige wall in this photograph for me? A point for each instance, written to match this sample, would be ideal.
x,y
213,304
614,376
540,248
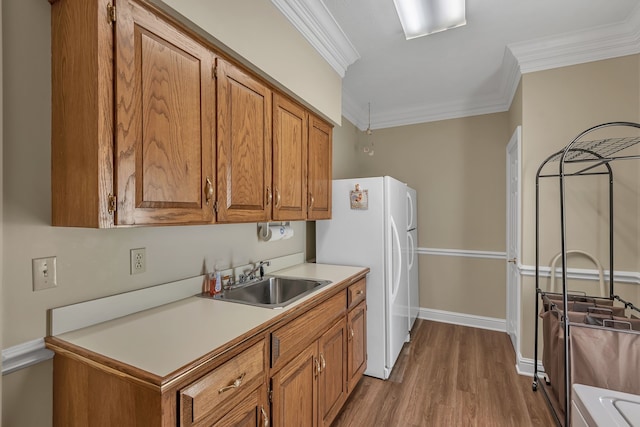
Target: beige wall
x,y
458,170
258,32
557,105
95,263
345,151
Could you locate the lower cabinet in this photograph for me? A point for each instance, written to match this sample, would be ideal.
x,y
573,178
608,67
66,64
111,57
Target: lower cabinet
x,y
311,389
357,344
332,381
295,391
297,372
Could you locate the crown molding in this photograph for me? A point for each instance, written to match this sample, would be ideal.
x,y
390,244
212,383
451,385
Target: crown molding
x,y
510,78
423,113
595,44
312,19
317,25
435,112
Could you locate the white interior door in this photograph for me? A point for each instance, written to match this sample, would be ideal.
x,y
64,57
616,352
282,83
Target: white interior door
x,y
513,238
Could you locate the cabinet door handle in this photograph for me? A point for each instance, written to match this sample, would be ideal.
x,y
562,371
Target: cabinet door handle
x,y
269,196
265,418
235,384
351,332
311,200
275,190
360,292
317,367
208,190
324,363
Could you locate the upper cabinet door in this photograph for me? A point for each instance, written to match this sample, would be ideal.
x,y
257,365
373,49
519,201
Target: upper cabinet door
x,y
165,103
320,158
244,146
289,160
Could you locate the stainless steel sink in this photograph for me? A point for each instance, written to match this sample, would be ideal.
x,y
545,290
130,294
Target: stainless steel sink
x,y
271,292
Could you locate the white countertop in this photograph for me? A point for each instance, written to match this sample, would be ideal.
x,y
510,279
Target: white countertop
x,y
164,339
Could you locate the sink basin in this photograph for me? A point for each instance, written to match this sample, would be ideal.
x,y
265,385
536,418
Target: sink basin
x,y
272,292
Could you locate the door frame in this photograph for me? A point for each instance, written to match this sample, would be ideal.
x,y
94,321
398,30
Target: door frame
x,y
514,240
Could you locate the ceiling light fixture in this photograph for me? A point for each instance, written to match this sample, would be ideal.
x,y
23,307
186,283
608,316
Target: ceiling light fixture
x,y
423,17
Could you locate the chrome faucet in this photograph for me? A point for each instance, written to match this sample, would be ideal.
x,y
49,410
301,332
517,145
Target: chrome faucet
x,y
245,277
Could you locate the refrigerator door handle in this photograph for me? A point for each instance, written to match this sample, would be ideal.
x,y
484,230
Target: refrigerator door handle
x,y
410,212
397,269
412,250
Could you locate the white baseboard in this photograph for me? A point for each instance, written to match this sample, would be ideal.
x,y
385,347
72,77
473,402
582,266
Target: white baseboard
x,y
524,366
481,322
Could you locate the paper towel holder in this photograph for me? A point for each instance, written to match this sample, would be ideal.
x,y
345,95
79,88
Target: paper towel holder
x,y
264,233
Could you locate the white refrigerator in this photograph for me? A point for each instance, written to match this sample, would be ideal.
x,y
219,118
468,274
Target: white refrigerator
x,y
373,234
413,275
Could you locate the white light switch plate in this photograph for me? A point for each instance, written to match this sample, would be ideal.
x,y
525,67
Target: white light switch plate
x,y
44,273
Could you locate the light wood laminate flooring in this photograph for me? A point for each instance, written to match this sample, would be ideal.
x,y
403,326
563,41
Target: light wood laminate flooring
x,y
449,376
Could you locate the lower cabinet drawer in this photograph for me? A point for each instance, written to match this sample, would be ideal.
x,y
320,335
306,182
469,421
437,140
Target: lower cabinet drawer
x,y
231,381
356,293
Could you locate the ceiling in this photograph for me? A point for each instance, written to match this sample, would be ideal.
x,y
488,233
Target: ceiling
x,y
470,70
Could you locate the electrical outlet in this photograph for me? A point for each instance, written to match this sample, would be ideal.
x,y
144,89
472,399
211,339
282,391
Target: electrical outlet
x,y
44,273
138,261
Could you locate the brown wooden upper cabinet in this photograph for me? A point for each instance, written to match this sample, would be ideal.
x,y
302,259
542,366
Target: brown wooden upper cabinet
x,y
320,174
244,146
165,101
290,136
132,118
150,125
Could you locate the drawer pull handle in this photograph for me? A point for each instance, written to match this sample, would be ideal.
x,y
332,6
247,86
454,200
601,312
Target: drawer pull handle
x,y
359,292
265,418
235,384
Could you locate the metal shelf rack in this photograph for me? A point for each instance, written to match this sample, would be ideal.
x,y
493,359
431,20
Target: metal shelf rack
x,y
581,157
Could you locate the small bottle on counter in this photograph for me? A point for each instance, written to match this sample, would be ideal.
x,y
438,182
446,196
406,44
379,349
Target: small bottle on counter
x,y
218,282
212,284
